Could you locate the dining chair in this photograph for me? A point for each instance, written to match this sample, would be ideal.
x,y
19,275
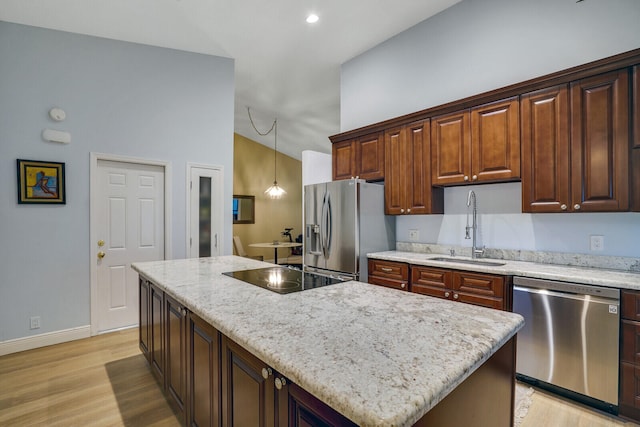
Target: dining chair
x,y
237,244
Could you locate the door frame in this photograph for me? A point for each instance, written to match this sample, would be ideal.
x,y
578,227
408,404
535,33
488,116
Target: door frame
x,y
93,203
220,188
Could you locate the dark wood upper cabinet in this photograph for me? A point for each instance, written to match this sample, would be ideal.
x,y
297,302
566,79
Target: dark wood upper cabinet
x,y
636,106
545,150
408,187
451,148
495,141
477,145
600,143
362,157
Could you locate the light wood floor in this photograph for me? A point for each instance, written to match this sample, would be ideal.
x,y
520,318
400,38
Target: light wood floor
x,y
105,381
98,381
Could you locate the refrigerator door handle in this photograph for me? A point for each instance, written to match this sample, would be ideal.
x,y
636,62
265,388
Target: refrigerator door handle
x,y
325,226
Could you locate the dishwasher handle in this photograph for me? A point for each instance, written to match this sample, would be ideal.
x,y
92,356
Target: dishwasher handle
x,y
566,287
567,295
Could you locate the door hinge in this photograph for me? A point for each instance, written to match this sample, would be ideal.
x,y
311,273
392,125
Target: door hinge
x,y
190,241
190,185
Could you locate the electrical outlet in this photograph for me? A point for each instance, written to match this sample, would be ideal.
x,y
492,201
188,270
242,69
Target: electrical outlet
x,y
414,235
35,322
597,243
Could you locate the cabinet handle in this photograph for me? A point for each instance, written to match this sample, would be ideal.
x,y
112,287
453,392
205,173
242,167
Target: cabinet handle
x,y
466,178
386,269
474,177
576,207
446,294
455,296
266,372
563,207
280,382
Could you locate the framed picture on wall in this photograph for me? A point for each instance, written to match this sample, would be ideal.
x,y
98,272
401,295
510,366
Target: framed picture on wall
x,y
41,182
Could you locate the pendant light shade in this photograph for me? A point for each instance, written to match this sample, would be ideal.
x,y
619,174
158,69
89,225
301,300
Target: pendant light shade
x,y
274,191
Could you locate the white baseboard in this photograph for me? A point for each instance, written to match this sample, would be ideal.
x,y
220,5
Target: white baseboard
x,y
42,340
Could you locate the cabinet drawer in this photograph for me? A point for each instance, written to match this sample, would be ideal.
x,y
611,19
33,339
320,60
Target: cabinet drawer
x,y
484,301
389,270
431,281
630,349
630,301
389,283
484,285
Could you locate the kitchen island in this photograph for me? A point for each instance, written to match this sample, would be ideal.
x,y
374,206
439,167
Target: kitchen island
x,y
376,356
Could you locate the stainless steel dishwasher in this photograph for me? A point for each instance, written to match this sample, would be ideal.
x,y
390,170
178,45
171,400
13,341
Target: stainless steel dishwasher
x,y
569,343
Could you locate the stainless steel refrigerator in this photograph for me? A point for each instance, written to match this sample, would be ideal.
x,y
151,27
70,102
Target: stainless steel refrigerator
x,y
344,221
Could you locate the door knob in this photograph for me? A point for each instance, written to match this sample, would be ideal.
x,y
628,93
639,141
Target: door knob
x,y
101,243
101,254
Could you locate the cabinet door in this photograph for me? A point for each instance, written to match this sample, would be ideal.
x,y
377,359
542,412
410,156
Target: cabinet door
x,y
176,353
630,301
495,141
630,335
395,181
307,411
204,395
156,332
546,172
480,289
144,318
421,197
388,273
435,282
344,160
629,404
600,143
248,398
636,106
370,157
450,148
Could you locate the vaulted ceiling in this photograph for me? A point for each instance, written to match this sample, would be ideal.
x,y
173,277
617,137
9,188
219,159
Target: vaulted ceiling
x,y
284,67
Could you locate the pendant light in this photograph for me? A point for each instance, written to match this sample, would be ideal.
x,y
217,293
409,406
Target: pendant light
x,y
274,191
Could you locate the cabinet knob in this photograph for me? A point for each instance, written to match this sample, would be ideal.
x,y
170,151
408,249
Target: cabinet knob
x,y
409,210
403,285
576,207
455,296
266,372
466,178
184,311
474,177
446,294
280,382
401,210
563,207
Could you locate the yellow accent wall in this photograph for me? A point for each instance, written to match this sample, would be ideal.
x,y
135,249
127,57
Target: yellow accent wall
x,y
252,174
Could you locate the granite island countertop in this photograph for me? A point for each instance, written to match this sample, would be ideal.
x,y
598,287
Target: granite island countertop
x,y
584,275
379,356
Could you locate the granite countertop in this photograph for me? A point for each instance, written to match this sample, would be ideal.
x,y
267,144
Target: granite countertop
x,y
584,275
379,356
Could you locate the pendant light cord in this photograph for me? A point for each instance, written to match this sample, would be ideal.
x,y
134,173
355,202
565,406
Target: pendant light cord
x,y
274,127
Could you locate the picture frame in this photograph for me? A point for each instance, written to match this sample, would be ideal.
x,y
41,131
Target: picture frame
x,y
41,182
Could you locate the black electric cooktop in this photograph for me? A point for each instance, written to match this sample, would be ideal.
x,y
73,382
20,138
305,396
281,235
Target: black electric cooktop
x,y
283,280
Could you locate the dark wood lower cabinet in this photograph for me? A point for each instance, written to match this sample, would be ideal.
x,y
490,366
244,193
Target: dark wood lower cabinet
x,y
143,318
203,378
156,332
248,390
176,354
629,402
307,411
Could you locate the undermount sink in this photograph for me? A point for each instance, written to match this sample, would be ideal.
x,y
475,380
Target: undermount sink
x,y
468,261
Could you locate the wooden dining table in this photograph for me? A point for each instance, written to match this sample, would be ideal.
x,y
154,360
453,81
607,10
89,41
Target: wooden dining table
x,y
275,246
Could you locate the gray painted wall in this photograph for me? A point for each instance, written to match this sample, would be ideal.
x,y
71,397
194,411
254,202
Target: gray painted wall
x,y
120,98
474,47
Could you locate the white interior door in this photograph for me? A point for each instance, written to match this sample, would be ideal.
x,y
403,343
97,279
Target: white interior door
x,y
129,227
205,206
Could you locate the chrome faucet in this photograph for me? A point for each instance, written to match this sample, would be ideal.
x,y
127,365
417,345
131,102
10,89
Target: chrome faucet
x,y
471,199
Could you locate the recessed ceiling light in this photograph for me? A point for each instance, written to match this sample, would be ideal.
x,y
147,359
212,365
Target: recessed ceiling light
x,y
312,18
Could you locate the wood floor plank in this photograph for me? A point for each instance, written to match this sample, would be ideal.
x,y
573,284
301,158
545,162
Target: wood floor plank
x,y
98,381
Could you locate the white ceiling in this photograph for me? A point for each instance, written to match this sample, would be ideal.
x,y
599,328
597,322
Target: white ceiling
x,y
284,67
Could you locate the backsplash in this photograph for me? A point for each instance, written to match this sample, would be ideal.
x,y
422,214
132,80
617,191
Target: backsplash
x,y
557,258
